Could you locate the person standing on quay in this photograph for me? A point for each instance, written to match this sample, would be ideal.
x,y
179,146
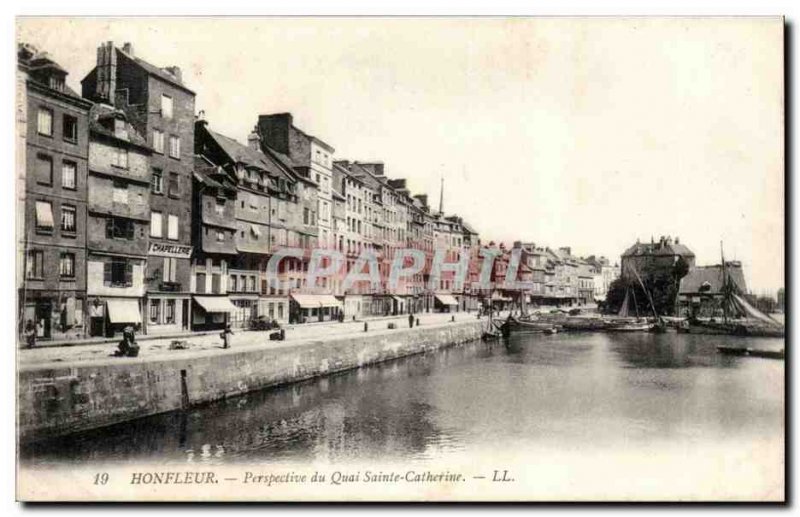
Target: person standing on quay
x,y
410,320
30,334
226,336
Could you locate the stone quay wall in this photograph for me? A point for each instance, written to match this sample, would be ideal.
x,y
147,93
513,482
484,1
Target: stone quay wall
x,y
55,399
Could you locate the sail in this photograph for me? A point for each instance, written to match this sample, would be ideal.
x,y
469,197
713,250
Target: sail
x,y
624,312
743,307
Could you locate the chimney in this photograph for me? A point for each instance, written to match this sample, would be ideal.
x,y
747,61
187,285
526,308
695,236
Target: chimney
x,y
253,140
128,48
423,198
200,118
174,71
106,80
274,131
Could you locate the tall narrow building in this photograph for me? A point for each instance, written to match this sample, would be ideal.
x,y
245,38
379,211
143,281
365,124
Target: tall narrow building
x,y
52,294
160,107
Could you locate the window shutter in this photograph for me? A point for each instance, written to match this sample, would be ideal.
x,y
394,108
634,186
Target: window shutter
x,y
130,232
107,273
129,273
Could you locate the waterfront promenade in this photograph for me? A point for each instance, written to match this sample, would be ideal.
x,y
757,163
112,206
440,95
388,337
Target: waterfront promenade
x,y
242,339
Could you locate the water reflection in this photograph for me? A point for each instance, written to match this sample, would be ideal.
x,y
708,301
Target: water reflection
x,y
565,392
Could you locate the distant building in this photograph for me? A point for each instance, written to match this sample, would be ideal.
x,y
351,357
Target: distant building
x,y
700,292
654,256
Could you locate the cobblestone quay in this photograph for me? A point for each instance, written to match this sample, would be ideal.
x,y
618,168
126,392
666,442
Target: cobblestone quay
x,y
58,398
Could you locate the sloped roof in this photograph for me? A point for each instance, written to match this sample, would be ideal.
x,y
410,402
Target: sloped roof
x,y
712,275
658,248
156,71
99,112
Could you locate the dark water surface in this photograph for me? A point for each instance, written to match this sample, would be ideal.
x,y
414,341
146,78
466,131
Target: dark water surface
x,y
566,392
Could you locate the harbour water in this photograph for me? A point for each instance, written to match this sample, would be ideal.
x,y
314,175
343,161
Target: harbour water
x,y
570,393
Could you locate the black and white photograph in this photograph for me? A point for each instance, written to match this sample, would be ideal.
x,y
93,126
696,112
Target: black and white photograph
x,y
403,259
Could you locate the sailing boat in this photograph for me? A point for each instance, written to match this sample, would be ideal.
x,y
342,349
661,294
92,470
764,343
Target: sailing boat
x,y
525,324
738,316
625,322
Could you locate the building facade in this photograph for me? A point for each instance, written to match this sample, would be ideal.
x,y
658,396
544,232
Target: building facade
x,y
161,108
118,222
52,294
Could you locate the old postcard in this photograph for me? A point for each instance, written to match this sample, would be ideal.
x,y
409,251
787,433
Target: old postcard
x,y
400,259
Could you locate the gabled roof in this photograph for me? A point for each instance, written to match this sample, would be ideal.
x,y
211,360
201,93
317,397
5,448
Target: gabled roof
x,y
711,276
157,72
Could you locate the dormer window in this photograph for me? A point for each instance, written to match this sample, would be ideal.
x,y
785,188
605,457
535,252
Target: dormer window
x,y
57,83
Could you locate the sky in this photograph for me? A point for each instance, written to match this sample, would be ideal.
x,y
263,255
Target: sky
x,y
580,132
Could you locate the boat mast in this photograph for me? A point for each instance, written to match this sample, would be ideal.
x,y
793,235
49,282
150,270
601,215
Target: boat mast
x,y
724,285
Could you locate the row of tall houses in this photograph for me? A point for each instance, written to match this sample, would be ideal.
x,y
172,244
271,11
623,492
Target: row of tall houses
x,y
137,212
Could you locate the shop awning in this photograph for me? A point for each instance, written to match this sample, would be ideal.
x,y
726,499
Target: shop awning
x,y
44,214
446,299
123,311
215,303
313,301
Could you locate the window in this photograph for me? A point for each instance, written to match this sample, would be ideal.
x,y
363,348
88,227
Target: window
x,y
172,227
119,228
170,269
233,282
166,106
158,141
174,185
169,312
45,122
44,215
305,215
174,146
67,218
34,267
219,207
155,311
155,224
220,235
215,283
118,272
200,283
68,175
66,265
120,158
251,283
70,128
157,182
44,169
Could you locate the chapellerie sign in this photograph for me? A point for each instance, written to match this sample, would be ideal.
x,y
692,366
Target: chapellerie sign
x,y
169,250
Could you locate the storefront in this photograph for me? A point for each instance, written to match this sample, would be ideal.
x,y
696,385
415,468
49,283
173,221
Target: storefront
x,y
54,316
108,317
445,303
211,312
307,308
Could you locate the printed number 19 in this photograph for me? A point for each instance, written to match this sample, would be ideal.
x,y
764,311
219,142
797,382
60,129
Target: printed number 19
x,y
101,478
